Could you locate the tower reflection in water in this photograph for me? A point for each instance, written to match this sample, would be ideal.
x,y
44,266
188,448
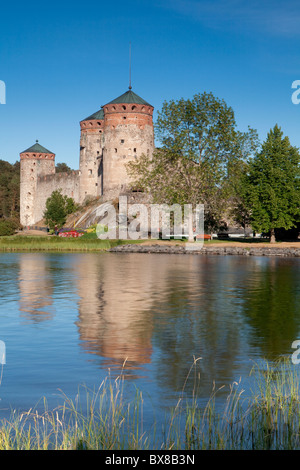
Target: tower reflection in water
x,y
36,288
114,319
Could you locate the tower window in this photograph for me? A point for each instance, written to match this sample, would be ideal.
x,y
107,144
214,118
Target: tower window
x,y
134,150
124,107
116,150
122,141
90,172
124,117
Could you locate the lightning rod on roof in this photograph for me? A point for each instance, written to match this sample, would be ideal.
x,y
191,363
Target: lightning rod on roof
x,y
130,66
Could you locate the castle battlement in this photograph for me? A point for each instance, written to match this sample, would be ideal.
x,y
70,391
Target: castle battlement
x,y
59,176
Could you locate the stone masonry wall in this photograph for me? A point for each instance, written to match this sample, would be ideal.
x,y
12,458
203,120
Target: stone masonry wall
x,y
91,150
67,182
128,134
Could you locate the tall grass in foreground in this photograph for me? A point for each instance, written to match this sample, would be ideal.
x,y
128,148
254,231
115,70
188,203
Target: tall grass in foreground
x,y
268,418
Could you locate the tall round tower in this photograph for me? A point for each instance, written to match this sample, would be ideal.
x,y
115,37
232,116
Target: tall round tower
x,y
34,162
128,132
91,149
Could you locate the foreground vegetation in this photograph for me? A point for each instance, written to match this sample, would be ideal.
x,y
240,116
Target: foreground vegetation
x,y
268,418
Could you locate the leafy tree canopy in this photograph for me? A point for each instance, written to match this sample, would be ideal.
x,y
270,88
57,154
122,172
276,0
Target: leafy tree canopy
x,y
200,153
58,207
272,185
9,189
62,168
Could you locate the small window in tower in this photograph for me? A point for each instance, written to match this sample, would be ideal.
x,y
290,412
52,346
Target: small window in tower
x,y
122,141
96,184
133,107
124,107
124,117
90,172
116,150
134,150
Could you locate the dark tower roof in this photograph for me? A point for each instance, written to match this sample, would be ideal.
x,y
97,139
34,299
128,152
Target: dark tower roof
x,y
98,115
129,98
37,148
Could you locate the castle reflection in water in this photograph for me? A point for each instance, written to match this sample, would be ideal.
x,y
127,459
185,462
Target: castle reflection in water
x,y
133,310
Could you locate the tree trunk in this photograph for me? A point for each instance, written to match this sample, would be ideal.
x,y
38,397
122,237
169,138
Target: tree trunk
x,y
190,222
272,236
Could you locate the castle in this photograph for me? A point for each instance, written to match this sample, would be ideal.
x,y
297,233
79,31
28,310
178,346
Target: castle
x,y
121,131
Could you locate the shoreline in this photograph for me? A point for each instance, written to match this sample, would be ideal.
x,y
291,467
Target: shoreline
x,y
238,249
215,247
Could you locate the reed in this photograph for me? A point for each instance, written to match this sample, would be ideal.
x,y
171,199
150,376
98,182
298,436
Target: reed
x,y
267,418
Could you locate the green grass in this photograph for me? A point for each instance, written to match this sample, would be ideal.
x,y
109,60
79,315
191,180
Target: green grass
x,y
88,242
268,418
53,243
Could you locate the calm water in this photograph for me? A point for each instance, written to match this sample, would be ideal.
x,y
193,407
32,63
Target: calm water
x,y
71,319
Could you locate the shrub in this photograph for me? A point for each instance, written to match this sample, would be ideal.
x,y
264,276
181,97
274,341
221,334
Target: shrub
x,y
8,226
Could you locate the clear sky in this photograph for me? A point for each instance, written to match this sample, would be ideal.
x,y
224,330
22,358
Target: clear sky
x,y
61,61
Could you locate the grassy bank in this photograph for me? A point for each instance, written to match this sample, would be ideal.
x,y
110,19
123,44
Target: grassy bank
x,y
53,243
86,243
267,419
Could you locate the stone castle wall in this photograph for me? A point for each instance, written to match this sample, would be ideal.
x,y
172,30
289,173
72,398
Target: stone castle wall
x,y
68,183
128,135
90,164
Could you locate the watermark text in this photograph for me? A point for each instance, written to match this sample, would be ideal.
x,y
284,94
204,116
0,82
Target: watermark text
x,y
2,92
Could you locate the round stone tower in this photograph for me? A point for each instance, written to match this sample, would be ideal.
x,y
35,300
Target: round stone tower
x,y
91,149
34,162
128,132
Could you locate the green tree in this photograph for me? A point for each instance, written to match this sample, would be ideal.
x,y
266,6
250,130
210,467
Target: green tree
x,y
9,189
200,148
8,226
58,207
62,168
272,185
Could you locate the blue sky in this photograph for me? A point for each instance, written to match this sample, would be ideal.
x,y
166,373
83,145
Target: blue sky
x,y
61,61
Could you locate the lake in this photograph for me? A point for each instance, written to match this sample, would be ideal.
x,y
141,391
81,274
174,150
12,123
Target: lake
x,y
72,319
